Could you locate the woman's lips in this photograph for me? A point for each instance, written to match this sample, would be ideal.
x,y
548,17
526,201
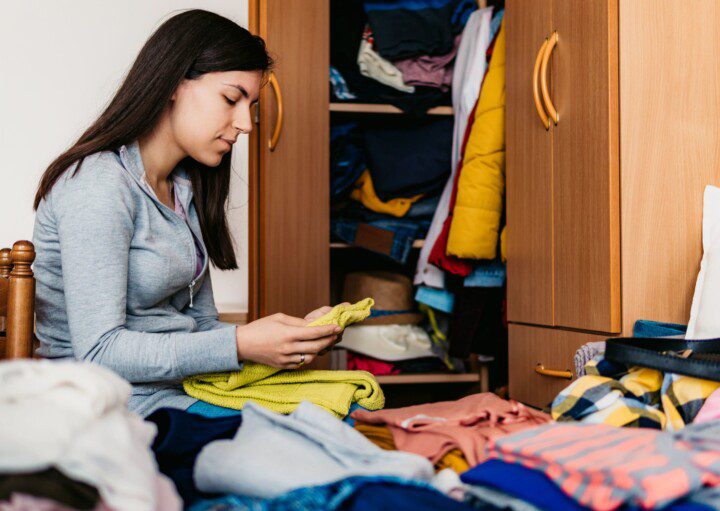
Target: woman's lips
x,y
227,143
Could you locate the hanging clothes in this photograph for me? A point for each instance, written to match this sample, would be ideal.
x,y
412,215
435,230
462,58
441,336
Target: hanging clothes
x,y
475,225
469,69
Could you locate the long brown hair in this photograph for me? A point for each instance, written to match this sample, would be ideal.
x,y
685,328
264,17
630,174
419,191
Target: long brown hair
x,y
186,46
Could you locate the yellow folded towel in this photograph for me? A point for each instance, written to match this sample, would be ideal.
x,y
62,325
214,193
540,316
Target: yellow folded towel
x,y
282,391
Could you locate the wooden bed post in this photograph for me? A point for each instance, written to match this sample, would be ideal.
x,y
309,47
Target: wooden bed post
x,y
5,267
20,302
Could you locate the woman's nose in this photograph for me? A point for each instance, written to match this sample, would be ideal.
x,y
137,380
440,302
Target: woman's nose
x,y
243,121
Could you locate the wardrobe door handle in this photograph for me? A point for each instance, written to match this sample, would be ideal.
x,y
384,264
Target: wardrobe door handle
x,y
272,143
543,77
536,87
554,373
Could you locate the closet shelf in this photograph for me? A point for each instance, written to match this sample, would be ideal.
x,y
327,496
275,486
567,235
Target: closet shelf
x,y
335,244
400,379
372,108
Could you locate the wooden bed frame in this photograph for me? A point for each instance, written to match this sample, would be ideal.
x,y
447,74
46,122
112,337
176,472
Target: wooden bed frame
x,y
17,301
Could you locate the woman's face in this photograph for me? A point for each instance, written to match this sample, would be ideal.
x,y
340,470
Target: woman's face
x,y
207,112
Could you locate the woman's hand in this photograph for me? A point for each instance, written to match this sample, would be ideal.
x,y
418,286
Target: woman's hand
x,y
317,313
283,341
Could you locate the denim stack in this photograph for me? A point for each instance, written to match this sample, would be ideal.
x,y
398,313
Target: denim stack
x,y
391,206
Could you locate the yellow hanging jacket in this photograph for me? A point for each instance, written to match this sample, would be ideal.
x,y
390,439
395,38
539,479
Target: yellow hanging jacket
x,y
481,185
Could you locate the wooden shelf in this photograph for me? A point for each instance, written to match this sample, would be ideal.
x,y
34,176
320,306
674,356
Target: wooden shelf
x,y
371,108
407,379
334,244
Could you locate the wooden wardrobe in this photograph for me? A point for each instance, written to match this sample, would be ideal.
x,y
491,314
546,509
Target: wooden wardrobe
x,y
613,131
604,206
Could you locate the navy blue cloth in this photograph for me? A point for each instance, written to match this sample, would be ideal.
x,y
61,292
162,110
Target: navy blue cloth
x,y
407,159
408,28
538,489
347,157
647,328
180,437
351,494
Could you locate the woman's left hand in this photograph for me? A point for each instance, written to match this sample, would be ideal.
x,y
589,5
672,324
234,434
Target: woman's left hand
x,y
317,313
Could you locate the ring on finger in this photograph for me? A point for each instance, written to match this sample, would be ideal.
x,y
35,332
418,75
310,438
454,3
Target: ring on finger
x,y
302,360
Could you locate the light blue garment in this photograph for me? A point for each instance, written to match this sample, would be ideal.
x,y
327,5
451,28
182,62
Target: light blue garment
x,y
339,85
487,274
309,447
115,269
440,299
496,21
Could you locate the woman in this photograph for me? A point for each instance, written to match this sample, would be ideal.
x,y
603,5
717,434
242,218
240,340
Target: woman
x,y
130,216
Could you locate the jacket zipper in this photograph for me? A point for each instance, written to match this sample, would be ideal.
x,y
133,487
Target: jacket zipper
x,y
192,236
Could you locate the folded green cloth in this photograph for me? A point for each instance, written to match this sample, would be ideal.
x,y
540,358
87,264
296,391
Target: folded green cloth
x,y
283,390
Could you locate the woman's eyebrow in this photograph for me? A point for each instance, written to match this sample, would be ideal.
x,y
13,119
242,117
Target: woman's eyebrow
x,y
240,88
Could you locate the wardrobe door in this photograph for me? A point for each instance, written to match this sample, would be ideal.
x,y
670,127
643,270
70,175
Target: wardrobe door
x,y
528,167
585,165
291,184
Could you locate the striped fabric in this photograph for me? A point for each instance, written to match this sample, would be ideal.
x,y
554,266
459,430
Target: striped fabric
x,y
616,395
603,467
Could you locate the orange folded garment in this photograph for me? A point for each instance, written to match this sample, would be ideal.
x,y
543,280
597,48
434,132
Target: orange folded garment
x,y
433,430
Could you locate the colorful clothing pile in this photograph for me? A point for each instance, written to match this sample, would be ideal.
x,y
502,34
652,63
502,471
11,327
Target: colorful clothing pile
x,y
603,467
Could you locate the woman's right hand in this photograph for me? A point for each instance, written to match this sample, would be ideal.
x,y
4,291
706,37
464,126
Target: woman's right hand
x,y
281,341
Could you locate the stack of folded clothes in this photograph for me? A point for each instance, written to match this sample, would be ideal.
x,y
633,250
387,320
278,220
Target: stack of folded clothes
x,y
385,181
396,51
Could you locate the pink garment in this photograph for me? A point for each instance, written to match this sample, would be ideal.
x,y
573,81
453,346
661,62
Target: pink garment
x,y
710,410
429,71
432,430
372,365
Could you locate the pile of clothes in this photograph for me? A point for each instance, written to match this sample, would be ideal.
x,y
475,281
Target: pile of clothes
x,y
69,442
400,52
386,176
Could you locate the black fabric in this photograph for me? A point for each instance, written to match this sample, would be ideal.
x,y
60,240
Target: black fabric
x,y
667,355
50,484
409,158
411,28
405,33
180,437
476,327
421,365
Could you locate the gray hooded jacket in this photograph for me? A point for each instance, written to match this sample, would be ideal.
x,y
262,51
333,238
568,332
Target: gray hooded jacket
x,y
116,284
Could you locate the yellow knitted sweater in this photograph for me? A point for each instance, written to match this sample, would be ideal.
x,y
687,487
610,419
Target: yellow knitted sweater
x,y
282,391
